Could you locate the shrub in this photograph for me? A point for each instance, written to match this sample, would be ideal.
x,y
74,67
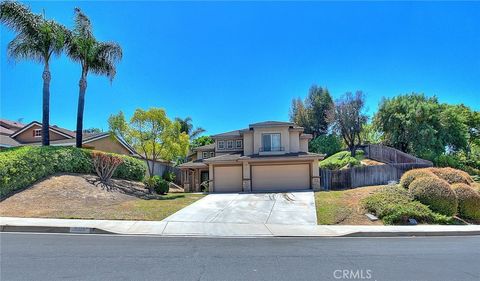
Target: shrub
x,y
169,176
414,174
468,201
326,144
342,159
158,184
452,175
105,164
22,166
435,193
395,205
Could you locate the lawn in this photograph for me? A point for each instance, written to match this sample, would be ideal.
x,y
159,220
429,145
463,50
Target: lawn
x,y
343,206
75,196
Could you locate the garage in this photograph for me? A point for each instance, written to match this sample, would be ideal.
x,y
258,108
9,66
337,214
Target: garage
x,y
280,177
228,179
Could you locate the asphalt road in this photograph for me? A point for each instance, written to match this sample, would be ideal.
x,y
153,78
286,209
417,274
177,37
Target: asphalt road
x,y
97,257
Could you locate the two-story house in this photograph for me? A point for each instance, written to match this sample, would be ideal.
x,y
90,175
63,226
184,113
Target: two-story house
x,y
266,156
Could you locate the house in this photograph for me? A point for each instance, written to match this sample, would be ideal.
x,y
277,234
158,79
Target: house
x,y
14,134
266,156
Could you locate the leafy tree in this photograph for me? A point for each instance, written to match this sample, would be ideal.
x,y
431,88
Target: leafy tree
x,y
37,39
316,113
370,134
201,141
152,134
96,57
92,131
186,126
326,144
422,126
350,118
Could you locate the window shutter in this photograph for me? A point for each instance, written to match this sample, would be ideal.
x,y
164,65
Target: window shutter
x,y
33,133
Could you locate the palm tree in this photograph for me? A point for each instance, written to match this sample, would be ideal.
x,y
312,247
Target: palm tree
x,y
97,57
37,39
187,127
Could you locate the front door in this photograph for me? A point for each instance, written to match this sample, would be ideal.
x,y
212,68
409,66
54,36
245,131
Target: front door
x,y
203,176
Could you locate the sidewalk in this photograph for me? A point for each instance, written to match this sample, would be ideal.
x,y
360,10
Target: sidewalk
x,y
162,228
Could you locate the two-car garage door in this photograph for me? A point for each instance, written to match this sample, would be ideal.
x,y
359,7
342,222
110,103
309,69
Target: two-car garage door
x,y
280,177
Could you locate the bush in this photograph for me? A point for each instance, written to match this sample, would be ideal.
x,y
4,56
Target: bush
x,y
105,165
436,194
158,184
342,159
395,205
468,201
452,175
22,166
169,176
326,144
414,174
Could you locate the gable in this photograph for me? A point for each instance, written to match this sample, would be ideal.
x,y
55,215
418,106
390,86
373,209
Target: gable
x,y
27,135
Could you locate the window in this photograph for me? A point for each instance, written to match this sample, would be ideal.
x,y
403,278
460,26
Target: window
x,y
230,144
37,133
271,142
238,144
205,155
212,154
221,145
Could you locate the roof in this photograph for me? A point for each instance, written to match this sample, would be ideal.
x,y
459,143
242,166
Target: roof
x,y
205,147
271,123
193,164
5,131
7,141
224,157
13,125
296,155
64,132
235,133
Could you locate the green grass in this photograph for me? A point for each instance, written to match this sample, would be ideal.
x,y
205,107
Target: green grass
x,y
341,159
330,207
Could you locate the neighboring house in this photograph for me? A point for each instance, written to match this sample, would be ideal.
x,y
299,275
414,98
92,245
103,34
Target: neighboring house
x,y
16,134
267,156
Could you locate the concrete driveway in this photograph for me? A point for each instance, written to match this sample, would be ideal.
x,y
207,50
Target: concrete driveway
x,y
251,208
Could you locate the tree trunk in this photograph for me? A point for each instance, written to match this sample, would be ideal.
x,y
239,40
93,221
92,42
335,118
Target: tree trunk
x,y
353,150
81,105
46,105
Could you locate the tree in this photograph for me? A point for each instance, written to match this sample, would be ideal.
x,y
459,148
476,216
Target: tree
x,y
92,131
201,141
350,118
326,144
316,113
370,134
96,57
37,39
186,126
152,134
422,126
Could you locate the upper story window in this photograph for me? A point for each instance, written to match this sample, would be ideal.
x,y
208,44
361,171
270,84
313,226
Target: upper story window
x,y
238,144
212,153
221,145
205,155
271,142
230,144
37,133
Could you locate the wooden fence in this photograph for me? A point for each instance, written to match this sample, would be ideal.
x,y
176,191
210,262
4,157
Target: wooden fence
x,y
397,163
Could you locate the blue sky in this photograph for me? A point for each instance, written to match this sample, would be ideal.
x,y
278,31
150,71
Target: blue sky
x,y
228,64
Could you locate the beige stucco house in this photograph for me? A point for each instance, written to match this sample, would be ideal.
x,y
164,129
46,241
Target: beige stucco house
x,y
266,156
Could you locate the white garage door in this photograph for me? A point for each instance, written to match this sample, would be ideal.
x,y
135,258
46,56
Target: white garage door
x,y
227,179
280,177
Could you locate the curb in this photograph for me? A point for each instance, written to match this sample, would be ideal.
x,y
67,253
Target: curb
x,y
53,229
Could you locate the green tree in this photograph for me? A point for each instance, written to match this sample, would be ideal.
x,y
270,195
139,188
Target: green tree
x,y
326,144
187,127
37,39
152,134
201,141
316,113
96,57
350,118
370,134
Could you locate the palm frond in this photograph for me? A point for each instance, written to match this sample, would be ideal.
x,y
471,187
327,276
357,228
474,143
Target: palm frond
x,y
18,17
83,27
23,47
104,58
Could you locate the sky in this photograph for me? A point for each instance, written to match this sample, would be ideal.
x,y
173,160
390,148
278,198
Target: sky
x,y
230,64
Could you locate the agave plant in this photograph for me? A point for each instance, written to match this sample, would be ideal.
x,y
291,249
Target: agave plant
x,y
37,39
95,57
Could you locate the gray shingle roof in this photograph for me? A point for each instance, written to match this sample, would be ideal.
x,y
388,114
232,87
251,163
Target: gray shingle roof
x,y
6,141
224,157
235,133
205,147
271,123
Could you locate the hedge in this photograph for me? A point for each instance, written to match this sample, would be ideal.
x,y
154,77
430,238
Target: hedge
x,y
22,166
414,174
468,201
452,175
436,193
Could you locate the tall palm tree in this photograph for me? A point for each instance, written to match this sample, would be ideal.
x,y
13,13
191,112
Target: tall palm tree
x,y
37,39
186,126
96,57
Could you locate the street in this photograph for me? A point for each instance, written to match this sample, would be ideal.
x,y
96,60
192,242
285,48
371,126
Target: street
x,y
108,257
